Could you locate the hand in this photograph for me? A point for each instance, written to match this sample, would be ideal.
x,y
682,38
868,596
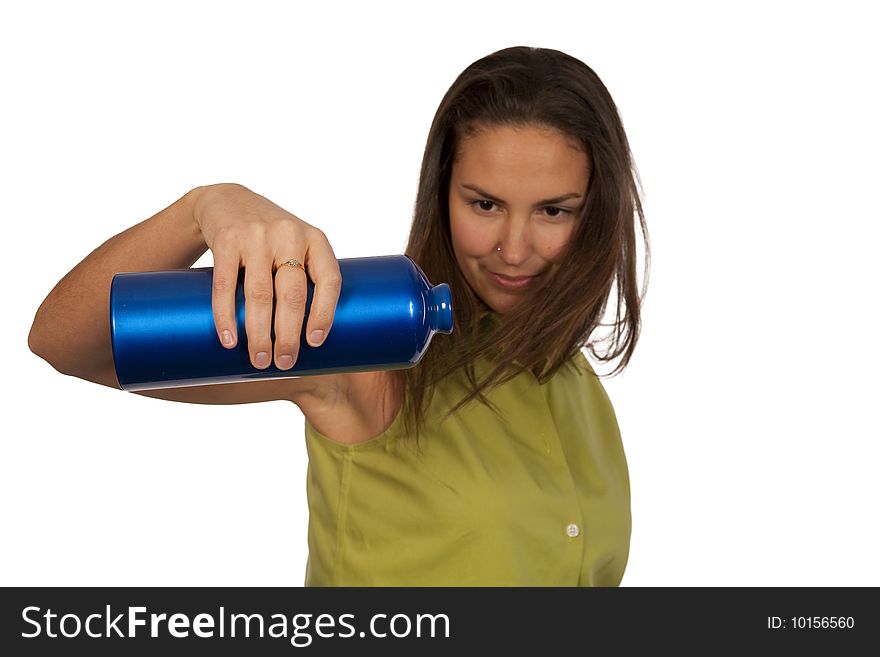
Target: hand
x,y
244,229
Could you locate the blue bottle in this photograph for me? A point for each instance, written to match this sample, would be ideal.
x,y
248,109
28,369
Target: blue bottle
x,y
163,334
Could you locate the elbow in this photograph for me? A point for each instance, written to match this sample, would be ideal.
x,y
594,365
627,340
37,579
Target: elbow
x,y
97,370
35,344
40,346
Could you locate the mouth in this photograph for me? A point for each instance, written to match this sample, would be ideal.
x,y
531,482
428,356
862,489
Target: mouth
x,y
511,282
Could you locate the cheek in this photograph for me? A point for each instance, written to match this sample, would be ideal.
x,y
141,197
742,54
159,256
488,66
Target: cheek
x,y
557,242
468,237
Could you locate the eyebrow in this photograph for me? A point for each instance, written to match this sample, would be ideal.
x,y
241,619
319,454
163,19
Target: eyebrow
x,y
547,201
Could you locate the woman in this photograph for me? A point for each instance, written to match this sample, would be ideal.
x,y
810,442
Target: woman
x,y
497,460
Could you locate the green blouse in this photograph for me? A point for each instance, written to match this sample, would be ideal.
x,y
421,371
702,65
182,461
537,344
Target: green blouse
x,y
541,499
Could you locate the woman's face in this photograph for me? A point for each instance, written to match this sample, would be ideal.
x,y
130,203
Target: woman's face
x,y
521,189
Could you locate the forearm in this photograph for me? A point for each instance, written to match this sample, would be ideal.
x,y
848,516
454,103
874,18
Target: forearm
x,y
71,329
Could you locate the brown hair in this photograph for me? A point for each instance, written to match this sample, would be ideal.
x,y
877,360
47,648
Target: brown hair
x,y
516,87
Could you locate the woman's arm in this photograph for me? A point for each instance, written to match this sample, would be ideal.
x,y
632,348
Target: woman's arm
x,y
71,329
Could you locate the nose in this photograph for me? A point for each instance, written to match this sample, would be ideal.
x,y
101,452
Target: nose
x,y
515,241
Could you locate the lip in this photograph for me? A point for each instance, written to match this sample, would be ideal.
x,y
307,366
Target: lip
x,y
511,283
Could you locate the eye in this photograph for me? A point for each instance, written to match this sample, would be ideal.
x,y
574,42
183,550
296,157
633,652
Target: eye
x,y
553,211
483,205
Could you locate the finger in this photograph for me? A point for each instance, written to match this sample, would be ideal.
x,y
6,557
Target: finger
x,y
259,292
291,293
225,279
323,268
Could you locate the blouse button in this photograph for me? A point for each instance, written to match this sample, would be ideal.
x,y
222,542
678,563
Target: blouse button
x,y
572,530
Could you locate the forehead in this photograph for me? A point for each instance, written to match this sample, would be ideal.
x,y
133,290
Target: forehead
x,y
521,158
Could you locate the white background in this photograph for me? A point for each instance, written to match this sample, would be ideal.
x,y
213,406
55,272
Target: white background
x,y
748,412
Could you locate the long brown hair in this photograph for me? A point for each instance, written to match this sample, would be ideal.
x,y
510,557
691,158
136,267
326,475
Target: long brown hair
x,y
516,87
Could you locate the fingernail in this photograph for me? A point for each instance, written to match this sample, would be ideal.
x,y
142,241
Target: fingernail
x,y
285,361
227,338
262,359
316,337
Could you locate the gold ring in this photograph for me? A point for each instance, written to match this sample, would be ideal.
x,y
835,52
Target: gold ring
x,y
293,262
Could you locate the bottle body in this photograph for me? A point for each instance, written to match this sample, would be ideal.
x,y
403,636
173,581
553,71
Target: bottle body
x,y
163,334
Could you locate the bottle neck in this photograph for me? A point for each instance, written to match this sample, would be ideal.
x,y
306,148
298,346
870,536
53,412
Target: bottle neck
x,y
438,308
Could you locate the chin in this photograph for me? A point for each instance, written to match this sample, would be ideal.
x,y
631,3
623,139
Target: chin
x,y
501,306
498,301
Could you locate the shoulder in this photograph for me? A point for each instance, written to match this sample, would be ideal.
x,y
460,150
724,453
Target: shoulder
x,y
574,369
578,380
581,363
